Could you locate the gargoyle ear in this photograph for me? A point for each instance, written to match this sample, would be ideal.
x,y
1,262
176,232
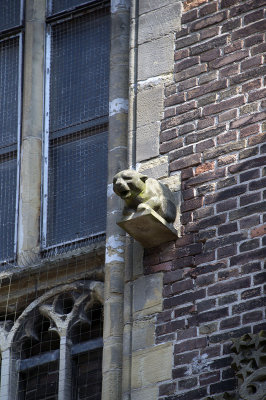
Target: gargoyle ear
x,y
144,178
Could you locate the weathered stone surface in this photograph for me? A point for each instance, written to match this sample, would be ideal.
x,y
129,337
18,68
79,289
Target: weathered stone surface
x,y
156,58
147,141
159,357
147,294
156,168
143,334
148,393
150,105
160,22
149,228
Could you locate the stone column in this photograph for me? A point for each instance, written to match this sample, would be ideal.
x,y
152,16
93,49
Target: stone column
x,y
65,372
9,376
31,143
115,237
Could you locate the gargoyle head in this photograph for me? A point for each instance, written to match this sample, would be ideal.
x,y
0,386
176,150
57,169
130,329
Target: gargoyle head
x,y
129,183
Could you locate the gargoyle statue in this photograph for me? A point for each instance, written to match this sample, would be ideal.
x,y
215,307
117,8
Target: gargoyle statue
x,y
141,193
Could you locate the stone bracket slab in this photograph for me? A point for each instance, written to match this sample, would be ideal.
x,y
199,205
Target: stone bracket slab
x,y
148,228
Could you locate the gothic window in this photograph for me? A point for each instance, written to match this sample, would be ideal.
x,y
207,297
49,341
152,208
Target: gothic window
x,y
10,110
76,112
55,346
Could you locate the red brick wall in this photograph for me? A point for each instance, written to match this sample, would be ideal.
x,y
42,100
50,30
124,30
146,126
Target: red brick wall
x,y
214,133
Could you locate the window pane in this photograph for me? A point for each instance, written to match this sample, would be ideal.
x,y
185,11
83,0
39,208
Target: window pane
x,y
8,178
9,73
62,5
79,70
77,188
40,382
10,14
87,376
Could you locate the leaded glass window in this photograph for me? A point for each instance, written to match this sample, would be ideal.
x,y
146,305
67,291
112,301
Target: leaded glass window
x,y
76,127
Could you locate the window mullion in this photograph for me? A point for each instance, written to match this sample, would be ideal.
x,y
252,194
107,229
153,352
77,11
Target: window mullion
x,y
65,370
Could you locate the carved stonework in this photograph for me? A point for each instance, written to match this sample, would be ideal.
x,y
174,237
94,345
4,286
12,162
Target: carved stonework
x,y
149,209
224,396
249,362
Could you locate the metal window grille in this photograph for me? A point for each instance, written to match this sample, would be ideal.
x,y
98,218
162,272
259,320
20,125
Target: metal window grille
x,y
10,93
57,6
11,14
76,128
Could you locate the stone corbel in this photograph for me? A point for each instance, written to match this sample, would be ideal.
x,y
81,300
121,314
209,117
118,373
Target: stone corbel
x,y
150,208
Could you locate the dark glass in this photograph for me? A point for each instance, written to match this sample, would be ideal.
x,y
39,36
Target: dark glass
x,y
79,71
8,179
77,188
10,14
56,6
9,73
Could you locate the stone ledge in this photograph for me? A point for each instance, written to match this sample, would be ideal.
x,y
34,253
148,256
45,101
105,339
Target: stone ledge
x,y
148,228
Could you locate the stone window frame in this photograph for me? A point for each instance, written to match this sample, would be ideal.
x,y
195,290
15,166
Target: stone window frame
x,y
85,295
6,34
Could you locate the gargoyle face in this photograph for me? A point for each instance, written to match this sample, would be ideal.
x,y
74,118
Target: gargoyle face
x,y
128,183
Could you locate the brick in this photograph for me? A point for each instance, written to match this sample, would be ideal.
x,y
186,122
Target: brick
x,y
252,174
231,239
170,327
225,194
179,372
224,105
207,88
184,298
250,74
227,228
190,250
230,323
231,25
253,163
211,20
187,383
254,316
227,385
251,62
222,61
209,222
237,45
191,204
211,44
186,129
226,205
167,389
180,153
185,162
228,299
207,316
260,278
250,268
247,6
249,222
226,182
208,9
189,4
251,198
261,48
168,135
206,177
260,138
205,122
223,149
181,54
248,294
228,3
210,55
228,116
187,84
171,145
204,168
206,134
249,130
206,144
251,209
255,84
249,30
209,32
251,255
189,16
249,245
175,99
249,305
259,184
209,377
258,231
223,287
222,161
190,72
189,345
248,153
254,40
187,63
186,107
252,17
172,276
257,95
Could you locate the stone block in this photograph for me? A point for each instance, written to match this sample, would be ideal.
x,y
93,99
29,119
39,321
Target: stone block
x,y
156,168
160,22
147,141
148,393
148,228
143,334
156,58
152,366
150,105
148,5
147,295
